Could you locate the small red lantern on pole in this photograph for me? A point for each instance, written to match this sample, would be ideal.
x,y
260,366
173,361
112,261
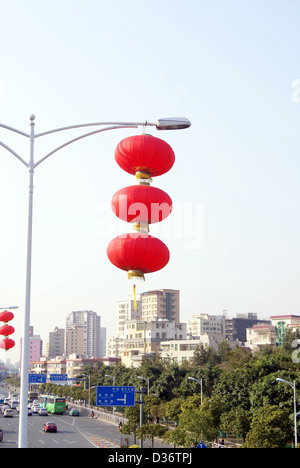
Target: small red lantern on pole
x,y
7,344
6,330
6,316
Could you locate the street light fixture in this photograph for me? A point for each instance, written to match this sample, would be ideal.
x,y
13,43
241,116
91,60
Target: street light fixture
x,y
293,385
111,377
160,124
148,383
172,123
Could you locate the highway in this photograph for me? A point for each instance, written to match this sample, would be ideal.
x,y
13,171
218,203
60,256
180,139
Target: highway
x,y
73,432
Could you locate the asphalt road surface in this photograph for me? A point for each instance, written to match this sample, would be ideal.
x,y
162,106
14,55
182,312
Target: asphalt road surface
x,y
72,432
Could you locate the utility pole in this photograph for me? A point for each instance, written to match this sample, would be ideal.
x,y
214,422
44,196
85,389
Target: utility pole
x,y
141,402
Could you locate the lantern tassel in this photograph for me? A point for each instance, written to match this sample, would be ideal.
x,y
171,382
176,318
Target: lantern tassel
x,y
134,298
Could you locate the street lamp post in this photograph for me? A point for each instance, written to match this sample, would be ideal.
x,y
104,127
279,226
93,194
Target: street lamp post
x,y
114,383
89,377
293,385
160,124
200,382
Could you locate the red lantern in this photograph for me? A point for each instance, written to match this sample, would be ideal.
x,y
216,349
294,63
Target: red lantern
x,y
6,316
6,330
138,254
141,204
145,153
7,344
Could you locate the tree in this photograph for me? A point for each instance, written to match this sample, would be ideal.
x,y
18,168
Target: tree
x,y
270,428
174,409
133,421
150,431
237,421
201,421
179,437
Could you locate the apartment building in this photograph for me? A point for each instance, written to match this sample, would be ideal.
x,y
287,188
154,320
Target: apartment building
x,y
75,340
259,336
205,324
283,323
144,337
126,311
161,303
235,328
91,323
56,344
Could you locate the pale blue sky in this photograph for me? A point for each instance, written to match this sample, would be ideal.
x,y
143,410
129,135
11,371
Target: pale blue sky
x,y
228,66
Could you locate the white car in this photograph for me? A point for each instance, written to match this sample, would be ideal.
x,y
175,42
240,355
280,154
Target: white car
x,y
13,404
36,408
4,407
43,412
8,413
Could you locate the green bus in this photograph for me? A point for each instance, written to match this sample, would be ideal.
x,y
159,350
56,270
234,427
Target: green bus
x,y
53,404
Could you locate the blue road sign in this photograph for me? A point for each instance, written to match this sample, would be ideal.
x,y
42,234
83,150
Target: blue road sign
x,y
201,445
37,378
115,396
58,377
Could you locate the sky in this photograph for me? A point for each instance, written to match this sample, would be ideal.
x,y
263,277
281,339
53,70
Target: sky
x,y
232,68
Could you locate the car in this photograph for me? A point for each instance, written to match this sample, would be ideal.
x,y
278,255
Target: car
x,y
36,408
29,411
74,412
8,413
4,407
43,412
50,427
13,404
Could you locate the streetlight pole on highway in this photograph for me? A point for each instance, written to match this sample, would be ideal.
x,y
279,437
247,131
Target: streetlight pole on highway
x,y
148,383
160,124
293,385
200,382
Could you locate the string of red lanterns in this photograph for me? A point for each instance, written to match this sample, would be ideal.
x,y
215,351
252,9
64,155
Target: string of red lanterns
x,y
6,330
140,253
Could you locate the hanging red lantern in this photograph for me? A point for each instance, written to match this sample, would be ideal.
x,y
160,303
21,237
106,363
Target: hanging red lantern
x,y
6,316
144,154
7,344
141,204
138,254
6,330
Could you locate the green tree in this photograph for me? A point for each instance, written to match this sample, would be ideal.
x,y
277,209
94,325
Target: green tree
x,y
201,421
179,438
173,409
151,431
237,421
133,421
270,428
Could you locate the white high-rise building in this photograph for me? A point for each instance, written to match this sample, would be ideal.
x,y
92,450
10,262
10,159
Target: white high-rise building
x,y
125,311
